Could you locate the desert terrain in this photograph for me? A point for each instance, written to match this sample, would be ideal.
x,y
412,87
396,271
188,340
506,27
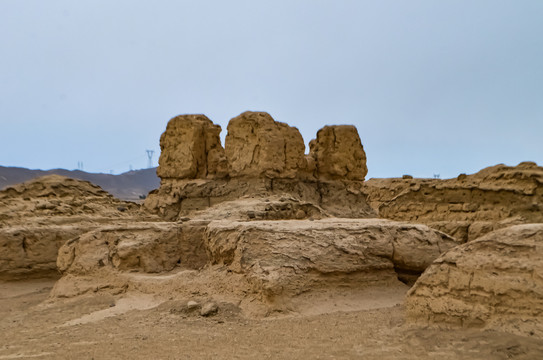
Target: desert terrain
x,y
256,249
143,328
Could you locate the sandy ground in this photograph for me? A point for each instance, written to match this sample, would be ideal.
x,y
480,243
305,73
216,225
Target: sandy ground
x,y
139,326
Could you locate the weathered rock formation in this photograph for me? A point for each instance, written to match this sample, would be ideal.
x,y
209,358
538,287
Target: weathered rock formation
x,y
258,146
257,208
291,257
263,158
154,247
339,154
181,198
495,281
468,206
38,216
191,148
145,247
266,223
272,260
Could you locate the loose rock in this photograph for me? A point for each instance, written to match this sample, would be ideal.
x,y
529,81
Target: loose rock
x,y
209,309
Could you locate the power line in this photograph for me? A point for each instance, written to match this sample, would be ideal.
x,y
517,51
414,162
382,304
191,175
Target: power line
x,y
113,166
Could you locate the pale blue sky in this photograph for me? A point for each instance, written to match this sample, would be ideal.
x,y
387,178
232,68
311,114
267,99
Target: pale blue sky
x,y
434,87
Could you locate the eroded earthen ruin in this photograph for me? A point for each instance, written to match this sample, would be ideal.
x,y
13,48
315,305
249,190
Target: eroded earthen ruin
x,y
466,207
261,157
39,216
261,224
494,281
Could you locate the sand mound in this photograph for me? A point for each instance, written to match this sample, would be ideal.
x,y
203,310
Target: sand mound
x,y
55,195
55,186
495,282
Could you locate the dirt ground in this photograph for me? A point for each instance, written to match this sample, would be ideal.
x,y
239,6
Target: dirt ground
x,y
139,326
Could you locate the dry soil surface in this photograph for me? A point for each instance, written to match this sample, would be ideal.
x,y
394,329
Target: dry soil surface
x,y
139,326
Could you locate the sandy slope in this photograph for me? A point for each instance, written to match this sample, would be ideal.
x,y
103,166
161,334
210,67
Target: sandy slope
x,y
143,327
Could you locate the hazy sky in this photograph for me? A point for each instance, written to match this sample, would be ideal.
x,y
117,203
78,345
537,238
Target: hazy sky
x,y
434,87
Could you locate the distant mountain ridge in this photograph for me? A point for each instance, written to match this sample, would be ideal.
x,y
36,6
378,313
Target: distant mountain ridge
x,y
131,185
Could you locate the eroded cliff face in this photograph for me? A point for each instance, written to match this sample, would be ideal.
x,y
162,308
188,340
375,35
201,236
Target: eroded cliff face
x,y
466,207
262,157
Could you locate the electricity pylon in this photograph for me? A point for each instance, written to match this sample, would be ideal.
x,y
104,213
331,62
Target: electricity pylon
x,y
150,157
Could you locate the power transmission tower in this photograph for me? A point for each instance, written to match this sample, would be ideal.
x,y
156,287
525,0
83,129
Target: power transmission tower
x,y
150,157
